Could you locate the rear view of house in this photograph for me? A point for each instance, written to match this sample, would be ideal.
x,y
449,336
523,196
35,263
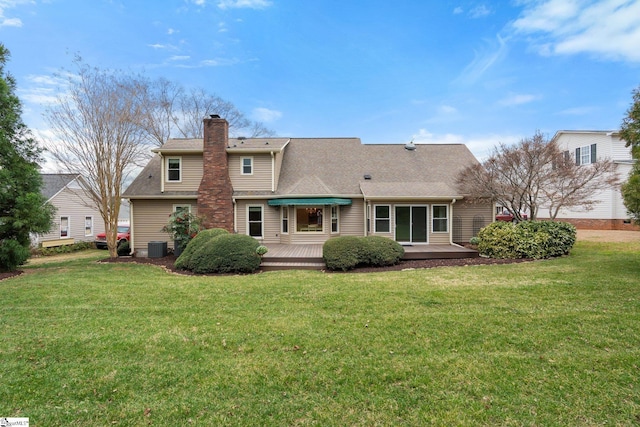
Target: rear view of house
x,y
306,190
76,219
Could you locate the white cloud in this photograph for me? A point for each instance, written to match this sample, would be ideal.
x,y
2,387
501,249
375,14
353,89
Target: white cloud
x,y
483,61
458,10
518,99
11,22
480,145
266,115
479,12
10,4
608,29
171,31
179,58
219,62
250,4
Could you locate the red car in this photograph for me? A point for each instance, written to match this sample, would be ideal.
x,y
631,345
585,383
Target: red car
x,y
124,234
506,216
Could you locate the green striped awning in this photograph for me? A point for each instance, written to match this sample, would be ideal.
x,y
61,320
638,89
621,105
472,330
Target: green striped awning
x,y
315,201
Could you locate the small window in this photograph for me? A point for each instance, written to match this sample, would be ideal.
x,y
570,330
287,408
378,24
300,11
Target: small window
x,y
382,219
64,226
247,165
440,219
255,221
334,219
285,219
174,169
586,155
88,226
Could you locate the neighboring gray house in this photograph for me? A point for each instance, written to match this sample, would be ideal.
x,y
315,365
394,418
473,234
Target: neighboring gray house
x,y
585,146
76,218
306,190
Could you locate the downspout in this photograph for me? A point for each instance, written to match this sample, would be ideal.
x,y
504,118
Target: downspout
x,y
453,202
132,234
273,172
235,215
161,173
367,207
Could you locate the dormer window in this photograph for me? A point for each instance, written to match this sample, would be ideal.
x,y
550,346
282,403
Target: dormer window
x,y
174,169
246,165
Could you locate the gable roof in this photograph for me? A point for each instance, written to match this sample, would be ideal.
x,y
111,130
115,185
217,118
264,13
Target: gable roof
x,y
334,167
53,183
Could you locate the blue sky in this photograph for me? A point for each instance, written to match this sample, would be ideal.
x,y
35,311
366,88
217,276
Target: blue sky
x,y
475,72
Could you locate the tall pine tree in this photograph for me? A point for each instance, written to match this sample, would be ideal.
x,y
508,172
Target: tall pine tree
x,y
23,209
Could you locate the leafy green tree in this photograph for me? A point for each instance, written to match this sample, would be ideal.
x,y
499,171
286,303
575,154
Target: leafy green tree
x,y
23,209
630,132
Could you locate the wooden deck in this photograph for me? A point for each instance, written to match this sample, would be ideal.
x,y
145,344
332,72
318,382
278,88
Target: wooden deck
x,y
309,257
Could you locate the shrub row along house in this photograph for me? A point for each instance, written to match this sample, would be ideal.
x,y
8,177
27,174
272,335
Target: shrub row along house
x,y
305,191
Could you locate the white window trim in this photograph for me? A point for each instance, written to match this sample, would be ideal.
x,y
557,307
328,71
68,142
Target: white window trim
x,y
68,227
261,221
583,150
167,159
176,206
242,159
285,209
337,208
433,219
375,219
85,226
322,213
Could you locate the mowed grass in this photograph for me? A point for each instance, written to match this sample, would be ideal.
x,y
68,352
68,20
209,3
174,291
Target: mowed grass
x,y
543,343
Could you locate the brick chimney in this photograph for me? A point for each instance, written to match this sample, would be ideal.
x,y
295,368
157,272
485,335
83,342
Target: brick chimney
x,y
215,204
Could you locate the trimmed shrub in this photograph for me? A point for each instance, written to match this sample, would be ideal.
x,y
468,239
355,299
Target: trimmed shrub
x,y
343,253
381,251
527,239
347,252
184,260
123,248
227,253
12,254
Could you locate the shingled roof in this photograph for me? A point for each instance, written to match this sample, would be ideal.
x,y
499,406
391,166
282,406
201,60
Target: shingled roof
x,y
53,183
329,167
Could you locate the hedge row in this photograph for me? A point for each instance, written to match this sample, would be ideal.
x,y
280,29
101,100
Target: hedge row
x,y
526,239
347,252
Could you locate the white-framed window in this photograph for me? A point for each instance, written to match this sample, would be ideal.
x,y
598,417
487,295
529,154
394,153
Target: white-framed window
x,y
335,212
285,219
246,165
440,217
180,208
88,226
64,226
174,169
382,219
586,155
254,220
309,219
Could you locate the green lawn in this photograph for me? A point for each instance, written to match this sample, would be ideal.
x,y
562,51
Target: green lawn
x,y
543,343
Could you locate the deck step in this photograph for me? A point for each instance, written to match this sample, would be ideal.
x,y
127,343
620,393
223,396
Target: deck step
x,y
289,265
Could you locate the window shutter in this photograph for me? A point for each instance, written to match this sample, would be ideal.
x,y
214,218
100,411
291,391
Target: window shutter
x,y
578,156
593,153
567,158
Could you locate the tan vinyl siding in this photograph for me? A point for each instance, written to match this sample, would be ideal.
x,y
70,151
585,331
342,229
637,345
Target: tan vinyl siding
x,y
191,173
260,180
148,218
74,204
351,219
470,216
279,157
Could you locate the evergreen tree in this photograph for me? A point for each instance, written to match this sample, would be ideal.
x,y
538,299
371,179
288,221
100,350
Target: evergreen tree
x,y
630,132
23,209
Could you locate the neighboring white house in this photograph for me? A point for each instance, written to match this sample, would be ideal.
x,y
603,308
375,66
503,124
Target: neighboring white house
x,y
76,218
585,147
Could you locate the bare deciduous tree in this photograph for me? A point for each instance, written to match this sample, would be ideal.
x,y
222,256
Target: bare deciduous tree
x,y
535,173
97,126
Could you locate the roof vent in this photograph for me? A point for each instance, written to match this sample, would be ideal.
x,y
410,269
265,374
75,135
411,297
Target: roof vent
x,y
266,143
410,146
242,138
214,116
367,177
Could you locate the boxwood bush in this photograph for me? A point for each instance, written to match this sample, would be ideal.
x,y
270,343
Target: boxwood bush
x,y
347,252
184,260
527,239
227,253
